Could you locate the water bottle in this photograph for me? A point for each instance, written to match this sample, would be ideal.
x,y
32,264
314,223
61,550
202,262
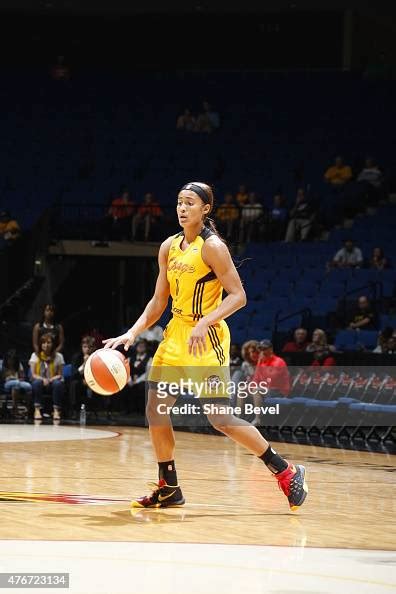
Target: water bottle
x,y
83,415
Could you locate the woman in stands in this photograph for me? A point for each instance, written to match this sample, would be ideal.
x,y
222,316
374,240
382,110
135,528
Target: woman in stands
x,y
46,370
319,342
195,266
13,376
47,325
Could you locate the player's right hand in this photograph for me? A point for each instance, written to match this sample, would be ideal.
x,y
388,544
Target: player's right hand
x,y
126,339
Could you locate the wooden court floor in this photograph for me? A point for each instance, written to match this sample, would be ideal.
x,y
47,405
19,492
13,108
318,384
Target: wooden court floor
x,y
231,497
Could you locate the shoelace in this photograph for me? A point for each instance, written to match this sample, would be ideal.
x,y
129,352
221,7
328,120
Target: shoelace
x,y
156,488
284,482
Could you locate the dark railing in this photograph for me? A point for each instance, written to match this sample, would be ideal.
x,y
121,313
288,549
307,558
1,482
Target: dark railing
x,y
305,313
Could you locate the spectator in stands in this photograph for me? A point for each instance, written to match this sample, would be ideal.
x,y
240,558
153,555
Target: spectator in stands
x,y
299,342
60,70
120,213
13,378
251,214
227,214
186,121
148,214
241,197
322,357
154,333
300,219
46,370
138,363
10,230
272,370
48,325
277,219
235,358
350,256
363,317
370,174
212,115
319,342
338,175
208,120
245,373
383,339
79,392
378,260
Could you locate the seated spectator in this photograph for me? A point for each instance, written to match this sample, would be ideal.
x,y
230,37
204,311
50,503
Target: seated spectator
x,y
48,325
322,357
350,256
251,214
338,175
300,219
13,378
60,71
299,342
363,317
235,358
120,213
46,369
319,342
212,115
378,260
272,370
79,392
208,120
227,215
277,218
147,215
10,230
186,121
241,197
383,339
138,363
153,333
391,345
370,174
244,374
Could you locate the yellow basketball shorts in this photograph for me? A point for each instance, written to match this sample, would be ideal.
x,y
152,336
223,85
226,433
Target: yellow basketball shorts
x,y
205,375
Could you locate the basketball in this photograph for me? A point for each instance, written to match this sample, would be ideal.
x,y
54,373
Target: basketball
x,y
106,371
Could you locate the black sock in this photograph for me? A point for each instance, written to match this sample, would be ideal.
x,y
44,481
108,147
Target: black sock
x,y
273,461
167,471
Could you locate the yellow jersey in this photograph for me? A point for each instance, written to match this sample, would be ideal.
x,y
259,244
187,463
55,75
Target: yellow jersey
x,y
194,287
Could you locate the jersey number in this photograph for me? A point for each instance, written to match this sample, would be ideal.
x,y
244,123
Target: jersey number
x,y
177,287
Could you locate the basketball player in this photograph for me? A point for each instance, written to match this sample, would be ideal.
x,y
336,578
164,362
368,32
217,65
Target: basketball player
x,y
194,268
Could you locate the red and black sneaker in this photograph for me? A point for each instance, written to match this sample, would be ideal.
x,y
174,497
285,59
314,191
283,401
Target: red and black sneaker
x,y
292,482
163,496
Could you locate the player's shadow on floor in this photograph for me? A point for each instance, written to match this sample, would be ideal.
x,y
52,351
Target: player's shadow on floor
x,y
154,516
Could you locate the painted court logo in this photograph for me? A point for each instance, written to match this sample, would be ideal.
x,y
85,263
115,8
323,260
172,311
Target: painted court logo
x,y
65,498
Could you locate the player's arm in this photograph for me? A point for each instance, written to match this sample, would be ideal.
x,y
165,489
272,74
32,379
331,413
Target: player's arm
x,y
154,308
216,255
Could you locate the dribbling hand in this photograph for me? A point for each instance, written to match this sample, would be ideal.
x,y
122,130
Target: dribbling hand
x,y
126,339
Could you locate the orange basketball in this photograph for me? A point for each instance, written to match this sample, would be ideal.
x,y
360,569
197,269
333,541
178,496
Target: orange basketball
x,y
106,371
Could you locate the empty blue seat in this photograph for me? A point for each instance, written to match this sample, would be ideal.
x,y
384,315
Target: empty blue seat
x,y
345,340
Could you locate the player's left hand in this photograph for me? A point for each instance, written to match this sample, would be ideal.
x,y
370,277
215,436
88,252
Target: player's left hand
x,y
197,341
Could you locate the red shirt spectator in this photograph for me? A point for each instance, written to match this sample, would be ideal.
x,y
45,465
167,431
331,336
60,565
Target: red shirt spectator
x,y
271,369
299,342
122,207
324,362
